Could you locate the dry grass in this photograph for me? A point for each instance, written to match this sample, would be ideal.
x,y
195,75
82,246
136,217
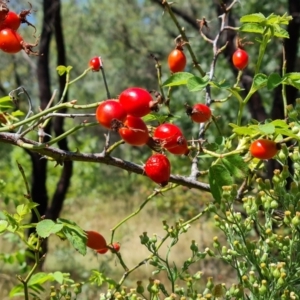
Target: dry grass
x,y
102,215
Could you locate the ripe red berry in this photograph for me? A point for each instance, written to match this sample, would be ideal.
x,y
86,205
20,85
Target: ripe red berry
x,y
95,240
136,101
95,63
10,41
169,136
158,168
102,251
240,59
176,61
264,149
199,113
108,111
116,247
12,21
180,149
134,131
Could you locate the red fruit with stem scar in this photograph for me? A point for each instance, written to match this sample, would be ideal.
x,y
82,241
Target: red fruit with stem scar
x,y
264,149
95,63
169,136
158,169
134,131
137,102
11,42
199,113
95,240
109,111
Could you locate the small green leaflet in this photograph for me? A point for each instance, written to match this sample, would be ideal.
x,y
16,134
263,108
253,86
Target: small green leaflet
x,y
61,70
196,83
3,225
253,18
47,227
179,78
236,166
273,81
74,234
219,176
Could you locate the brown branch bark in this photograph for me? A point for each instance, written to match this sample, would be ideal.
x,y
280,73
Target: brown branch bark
x,y
63,156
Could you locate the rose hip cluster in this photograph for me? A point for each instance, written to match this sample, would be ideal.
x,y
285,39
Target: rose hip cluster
x,y
124,115
10,40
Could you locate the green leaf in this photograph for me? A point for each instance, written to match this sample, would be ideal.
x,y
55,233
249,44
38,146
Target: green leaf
x,y
58,276
61,70
23,210
292,79
273,81
280,123
236,166
287,132
218,176
160,118
78,242
195,83
46,227
221,85
281,33
253,18
252,28
3,225
17,290
243,130
17,113
179,78
6,103
259,81
40,278
266,128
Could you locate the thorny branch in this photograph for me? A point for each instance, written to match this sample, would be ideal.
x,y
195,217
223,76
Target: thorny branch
x,y
60,156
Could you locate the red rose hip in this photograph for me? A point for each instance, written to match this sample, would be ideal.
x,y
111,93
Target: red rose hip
x,y
136,101
134,131
158,169
264,149
108,111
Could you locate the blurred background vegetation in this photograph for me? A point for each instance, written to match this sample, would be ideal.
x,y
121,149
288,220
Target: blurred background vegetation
x,y
124,33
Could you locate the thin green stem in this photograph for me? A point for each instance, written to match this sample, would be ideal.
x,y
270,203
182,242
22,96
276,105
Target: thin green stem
x,y
57,139
155,193
284,99
28,195
29,275
184,37
70,104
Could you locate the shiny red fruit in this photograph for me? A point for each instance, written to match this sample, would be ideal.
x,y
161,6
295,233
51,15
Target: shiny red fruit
x,y
116,247
240,59
136,101
108,111
12,21
264,149
95,63
158,169
102,251
199,113
169,136
180,149
95,240
177,61
134,131
10,41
